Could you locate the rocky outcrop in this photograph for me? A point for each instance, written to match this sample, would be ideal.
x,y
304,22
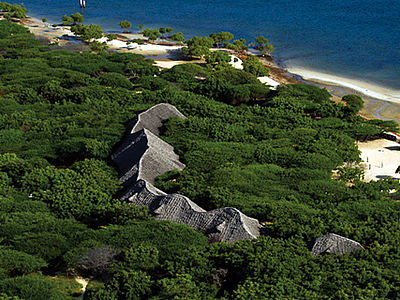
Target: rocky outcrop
x,y
333,243
143,156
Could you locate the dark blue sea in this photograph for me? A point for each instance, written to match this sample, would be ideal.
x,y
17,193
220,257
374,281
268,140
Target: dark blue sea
x,y
358,39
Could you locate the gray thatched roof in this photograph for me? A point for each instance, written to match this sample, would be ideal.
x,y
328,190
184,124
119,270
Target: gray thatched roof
x,y
222,224
333,243
153,118
143,156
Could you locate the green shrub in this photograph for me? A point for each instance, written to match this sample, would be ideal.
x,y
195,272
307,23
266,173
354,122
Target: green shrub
x,y
31,287
19,263
14,10
115,80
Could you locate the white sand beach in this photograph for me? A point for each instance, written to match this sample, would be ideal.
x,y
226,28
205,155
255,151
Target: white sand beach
x,y
151,49
365,88
380,159
168,64
145,49
54,34
117,44
269,81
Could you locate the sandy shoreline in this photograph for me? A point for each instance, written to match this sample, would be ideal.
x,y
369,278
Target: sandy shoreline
x,y
380,102
367,89
373,108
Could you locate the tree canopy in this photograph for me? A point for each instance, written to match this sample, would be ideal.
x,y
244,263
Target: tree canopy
x,y
73,19
218,57
198,46
152,34
270,154
221,37
13,10
354,103
125,25
177,36
237,45
252,65
87,32
263,45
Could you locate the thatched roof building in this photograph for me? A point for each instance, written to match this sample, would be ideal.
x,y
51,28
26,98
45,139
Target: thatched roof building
x,y
143,156
333,243
221,224
153,118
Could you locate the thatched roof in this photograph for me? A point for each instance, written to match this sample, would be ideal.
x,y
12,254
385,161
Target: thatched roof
x,y
153,118
333,243
143,156
222,224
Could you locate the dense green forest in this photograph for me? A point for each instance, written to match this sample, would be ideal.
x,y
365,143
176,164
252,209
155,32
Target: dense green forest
x,y
267,153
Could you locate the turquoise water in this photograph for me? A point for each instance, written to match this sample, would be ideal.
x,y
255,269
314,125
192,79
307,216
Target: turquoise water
x,y
351,38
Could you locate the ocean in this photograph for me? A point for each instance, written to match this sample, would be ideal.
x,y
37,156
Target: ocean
x,y
349,40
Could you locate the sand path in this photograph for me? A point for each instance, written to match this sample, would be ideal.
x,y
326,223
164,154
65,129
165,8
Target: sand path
x,y
269,81
380,159
84,282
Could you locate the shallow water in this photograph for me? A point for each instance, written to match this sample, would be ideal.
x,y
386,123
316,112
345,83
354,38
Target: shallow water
x,y
350,38
160,56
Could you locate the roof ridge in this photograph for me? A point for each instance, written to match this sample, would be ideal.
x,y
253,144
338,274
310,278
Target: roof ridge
x,y
159,157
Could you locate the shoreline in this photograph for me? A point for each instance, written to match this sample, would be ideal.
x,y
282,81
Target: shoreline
x,y
375,106
368,89
379,102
